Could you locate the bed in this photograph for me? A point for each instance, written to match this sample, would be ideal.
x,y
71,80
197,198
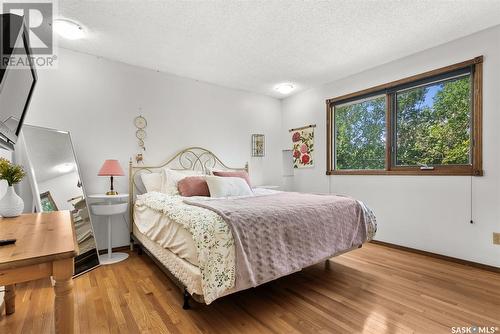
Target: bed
x,y
214,247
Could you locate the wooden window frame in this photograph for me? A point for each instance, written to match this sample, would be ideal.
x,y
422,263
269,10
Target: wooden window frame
x,y
476,166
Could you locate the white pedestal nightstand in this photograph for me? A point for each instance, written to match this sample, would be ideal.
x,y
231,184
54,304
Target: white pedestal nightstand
x,y
109,205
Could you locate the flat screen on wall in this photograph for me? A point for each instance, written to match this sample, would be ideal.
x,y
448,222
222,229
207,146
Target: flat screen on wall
x,y
16,82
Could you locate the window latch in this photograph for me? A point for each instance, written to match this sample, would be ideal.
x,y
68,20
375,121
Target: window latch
x,y
426,167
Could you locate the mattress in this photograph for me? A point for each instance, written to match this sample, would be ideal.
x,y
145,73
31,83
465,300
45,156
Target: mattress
x,y
194,243
186,272
168,233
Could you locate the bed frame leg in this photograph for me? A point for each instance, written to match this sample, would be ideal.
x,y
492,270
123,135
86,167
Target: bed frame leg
x,y
139,250
187,296
327,264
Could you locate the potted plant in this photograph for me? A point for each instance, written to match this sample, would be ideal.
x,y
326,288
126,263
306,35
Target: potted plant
x,y
11,205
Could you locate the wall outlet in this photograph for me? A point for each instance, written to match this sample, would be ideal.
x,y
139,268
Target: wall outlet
x,y
496,238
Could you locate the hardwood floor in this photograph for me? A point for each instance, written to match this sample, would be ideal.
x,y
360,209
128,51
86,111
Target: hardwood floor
x,y
371,290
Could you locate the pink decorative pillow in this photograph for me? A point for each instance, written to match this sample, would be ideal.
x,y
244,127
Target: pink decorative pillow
x,y
193,186
242,174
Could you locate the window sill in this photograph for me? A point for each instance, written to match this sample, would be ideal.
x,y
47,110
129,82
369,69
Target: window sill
x,y
435,172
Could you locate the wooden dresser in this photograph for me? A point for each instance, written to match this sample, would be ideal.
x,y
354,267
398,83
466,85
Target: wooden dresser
x,y
45,246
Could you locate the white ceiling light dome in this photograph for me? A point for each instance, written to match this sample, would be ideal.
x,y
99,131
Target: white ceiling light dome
x,y
68,29
64,167
284,88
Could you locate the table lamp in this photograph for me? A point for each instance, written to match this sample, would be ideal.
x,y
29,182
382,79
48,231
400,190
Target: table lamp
x,y
111,168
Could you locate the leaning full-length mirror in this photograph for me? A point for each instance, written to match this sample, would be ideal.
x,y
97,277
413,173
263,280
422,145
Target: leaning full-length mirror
x,y
56,184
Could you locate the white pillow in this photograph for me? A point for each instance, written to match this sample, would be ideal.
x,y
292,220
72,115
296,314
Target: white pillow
x,y
227,186
170,179
151,181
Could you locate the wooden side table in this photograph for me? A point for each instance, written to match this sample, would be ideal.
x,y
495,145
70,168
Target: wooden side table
x,y
46,246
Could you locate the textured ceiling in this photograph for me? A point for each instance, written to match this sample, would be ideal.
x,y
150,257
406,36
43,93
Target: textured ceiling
x,y
252,45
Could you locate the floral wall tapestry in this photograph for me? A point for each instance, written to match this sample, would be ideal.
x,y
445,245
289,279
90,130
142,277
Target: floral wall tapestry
x,y
303,146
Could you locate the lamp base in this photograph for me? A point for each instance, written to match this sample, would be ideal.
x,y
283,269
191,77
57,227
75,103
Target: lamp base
x,y
112,192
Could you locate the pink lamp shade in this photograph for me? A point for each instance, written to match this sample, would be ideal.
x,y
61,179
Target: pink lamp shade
x,y
111,168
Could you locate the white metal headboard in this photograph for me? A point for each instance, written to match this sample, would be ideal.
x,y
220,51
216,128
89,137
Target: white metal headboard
x,y
192,158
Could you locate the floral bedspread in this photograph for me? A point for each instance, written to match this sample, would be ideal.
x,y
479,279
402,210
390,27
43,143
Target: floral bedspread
x,y
212,238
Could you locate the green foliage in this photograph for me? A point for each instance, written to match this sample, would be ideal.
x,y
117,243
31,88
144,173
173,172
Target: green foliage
x,y
432,122
437,133
11,173
360,135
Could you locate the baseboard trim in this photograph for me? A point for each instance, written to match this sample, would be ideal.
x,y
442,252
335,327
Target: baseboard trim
x,y
114,249
438,256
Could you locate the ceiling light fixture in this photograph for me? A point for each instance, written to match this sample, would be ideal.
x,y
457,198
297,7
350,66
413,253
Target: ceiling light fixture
x,y
284,88
68,29
64,168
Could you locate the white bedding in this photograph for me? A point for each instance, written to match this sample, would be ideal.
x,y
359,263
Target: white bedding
x,y
210,234
166,232
195,234
187,273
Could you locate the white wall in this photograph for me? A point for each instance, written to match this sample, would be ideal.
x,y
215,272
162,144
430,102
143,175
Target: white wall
x,y
62,188
96,100
431,213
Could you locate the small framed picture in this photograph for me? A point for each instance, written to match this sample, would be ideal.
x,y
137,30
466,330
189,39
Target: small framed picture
x,y
258,145
48,203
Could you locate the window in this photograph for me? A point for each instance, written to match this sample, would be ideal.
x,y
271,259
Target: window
x,y
433,124
360,134
426,124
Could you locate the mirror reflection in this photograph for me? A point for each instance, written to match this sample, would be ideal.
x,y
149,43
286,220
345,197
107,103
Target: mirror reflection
x,y
56,184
